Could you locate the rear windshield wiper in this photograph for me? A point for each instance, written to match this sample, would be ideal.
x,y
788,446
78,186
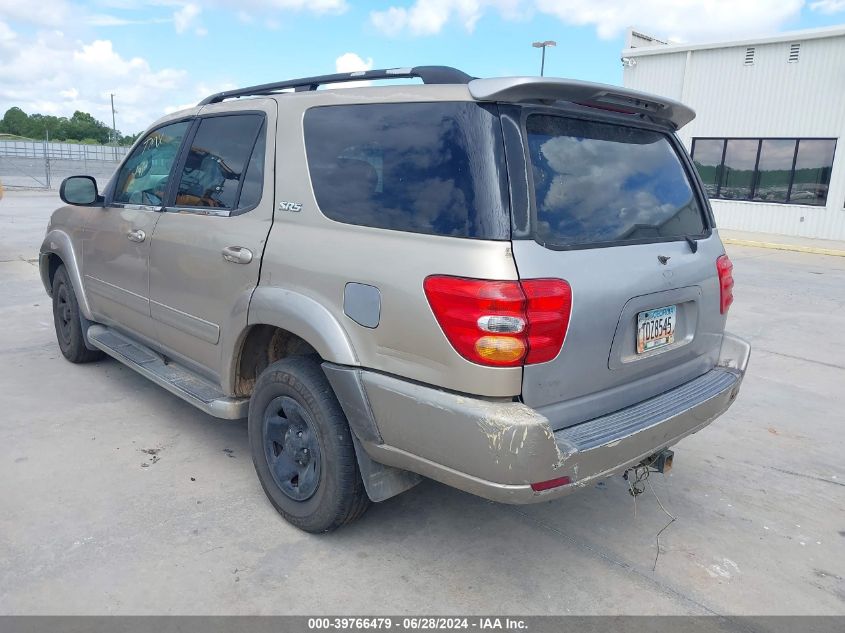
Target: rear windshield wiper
x,y
693,245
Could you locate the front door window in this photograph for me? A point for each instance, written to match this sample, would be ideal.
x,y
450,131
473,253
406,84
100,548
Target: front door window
x,y
143,177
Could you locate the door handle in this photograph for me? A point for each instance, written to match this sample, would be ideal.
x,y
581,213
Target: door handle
x,y
136,236
237,254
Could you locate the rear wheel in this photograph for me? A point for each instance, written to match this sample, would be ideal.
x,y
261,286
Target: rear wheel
x,y
302,447
68,324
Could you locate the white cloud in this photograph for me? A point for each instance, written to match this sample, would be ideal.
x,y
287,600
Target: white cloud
x,y
679,20
248,10
350,63
51,73
199,91
427,17
828,7
313,6
268,13
7,35
69,15
185,17
108,20
43,13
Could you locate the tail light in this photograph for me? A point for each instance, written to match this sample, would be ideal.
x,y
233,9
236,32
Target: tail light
x,y
501,323
726,282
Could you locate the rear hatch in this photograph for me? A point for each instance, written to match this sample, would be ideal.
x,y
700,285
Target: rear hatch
x,y
614,208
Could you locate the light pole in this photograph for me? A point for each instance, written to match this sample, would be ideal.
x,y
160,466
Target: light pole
x,y
543,45
113,126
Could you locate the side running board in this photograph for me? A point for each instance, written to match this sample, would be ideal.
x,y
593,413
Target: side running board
x,y
176,379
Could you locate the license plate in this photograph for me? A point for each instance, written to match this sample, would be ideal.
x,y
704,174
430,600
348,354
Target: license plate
x,y
655,328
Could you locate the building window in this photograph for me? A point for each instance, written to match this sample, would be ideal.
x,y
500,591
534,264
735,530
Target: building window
x,y
708,160
811,174
738,169
774,170
783,170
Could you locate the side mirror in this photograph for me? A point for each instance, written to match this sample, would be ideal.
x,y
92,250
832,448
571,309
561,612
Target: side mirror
x,y
80,190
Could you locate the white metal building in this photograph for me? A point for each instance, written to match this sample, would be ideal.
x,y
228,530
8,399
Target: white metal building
x,y
769,136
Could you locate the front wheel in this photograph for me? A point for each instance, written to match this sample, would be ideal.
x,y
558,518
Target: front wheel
x,y
302,447
68,324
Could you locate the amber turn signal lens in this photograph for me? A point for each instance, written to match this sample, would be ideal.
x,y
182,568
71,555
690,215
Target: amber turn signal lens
x,y
500,349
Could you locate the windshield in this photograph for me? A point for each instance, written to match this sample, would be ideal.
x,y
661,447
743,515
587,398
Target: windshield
x,y
602,183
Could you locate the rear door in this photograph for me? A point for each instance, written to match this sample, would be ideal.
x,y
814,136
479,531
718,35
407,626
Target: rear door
x,y
617,212
206,251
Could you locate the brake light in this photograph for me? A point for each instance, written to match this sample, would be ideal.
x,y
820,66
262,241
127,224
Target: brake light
x,y
501,323
726,282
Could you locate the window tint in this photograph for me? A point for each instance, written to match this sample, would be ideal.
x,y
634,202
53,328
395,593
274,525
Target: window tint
x,y
596,182
254,177
422,167
774,171
707,156
812,172
738,170
217,160
143,177
780,174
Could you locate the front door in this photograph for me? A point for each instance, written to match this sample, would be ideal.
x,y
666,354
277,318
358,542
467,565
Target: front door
x,y
206,251
116,247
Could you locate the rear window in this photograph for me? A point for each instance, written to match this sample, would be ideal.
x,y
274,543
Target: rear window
x,y
600,183
435,168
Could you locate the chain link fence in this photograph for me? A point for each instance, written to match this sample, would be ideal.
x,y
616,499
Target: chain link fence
x,y
43,165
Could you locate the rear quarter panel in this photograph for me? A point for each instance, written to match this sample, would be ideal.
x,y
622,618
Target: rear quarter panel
x,y
315,256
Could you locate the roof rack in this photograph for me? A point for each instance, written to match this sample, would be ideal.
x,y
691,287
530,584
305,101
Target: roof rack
x,y
428,74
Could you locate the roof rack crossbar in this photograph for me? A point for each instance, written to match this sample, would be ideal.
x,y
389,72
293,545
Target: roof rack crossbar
x,y
428,74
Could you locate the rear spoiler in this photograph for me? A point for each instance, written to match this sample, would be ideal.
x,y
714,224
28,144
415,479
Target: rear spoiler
x,y
519,89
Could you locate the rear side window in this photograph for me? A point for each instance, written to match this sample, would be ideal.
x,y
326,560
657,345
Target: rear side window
x,y
254,177
600,183
216,164
435,168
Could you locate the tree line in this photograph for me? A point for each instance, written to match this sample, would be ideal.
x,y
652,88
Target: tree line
x,y
80,128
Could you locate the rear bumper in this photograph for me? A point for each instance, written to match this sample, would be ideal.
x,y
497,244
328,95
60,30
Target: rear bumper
x,y
497,448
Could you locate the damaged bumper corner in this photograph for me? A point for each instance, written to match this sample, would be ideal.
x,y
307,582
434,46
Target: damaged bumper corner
x,y
497,448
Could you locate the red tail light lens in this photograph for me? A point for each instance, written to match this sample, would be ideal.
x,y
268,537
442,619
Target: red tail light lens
x,y
726,282
549,307
501,323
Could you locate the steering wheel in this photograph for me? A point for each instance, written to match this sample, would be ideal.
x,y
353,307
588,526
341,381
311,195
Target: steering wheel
x,y
143,167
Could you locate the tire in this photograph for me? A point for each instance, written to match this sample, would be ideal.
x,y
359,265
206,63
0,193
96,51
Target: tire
x,y
68,324
302,447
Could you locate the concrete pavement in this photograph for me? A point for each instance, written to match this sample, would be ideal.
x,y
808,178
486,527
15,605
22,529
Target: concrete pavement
x,y
783,242
118,498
